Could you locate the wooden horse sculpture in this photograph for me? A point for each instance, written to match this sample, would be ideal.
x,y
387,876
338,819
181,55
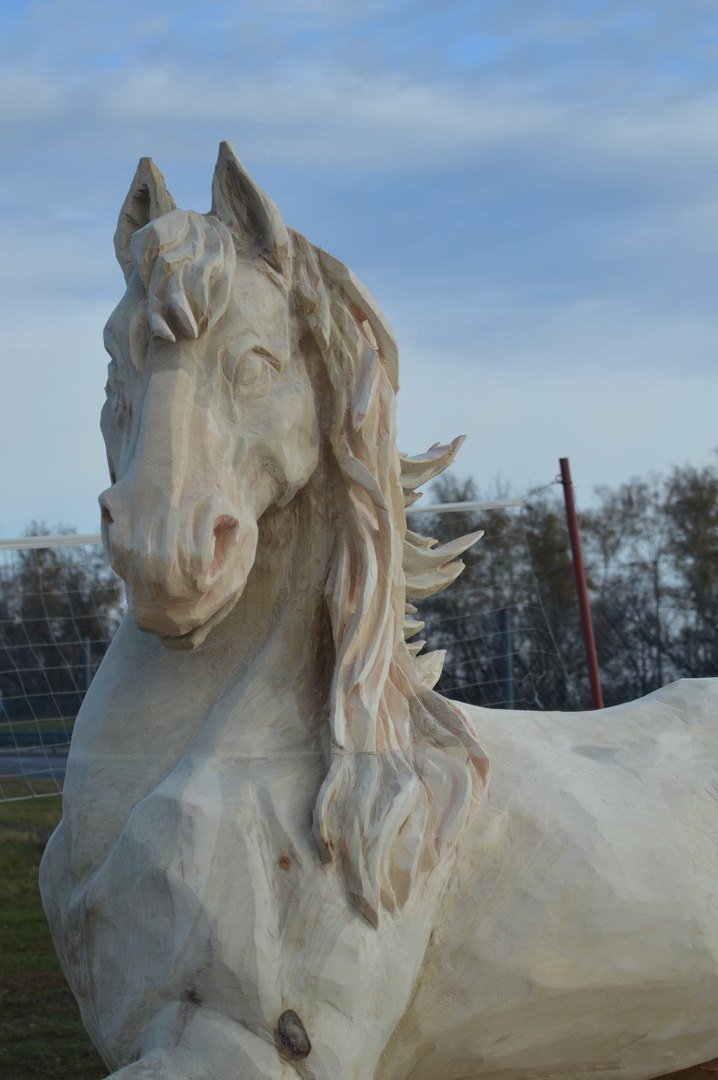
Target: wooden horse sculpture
x,y
278,856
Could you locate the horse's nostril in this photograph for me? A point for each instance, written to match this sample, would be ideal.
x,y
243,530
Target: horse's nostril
x,y
224,525
106,515
223,529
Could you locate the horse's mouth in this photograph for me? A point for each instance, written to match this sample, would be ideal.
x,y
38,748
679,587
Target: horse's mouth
x,y
199,633
187,640
184,621
190,639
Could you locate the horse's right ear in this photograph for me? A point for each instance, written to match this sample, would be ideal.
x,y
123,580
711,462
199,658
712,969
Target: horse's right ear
x,y
147,198
251,215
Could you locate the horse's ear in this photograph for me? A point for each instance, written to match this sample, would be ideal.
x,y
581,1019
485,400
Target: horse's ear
x,y
147,198
249,213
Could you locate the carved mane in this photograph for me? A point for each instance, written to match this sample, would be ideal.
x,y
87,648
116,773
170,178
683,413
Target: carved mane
x,y
406,771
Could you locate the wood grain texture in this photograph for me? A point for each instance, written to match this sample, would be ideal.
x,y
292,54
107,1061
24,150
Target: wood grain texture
x,y
280,854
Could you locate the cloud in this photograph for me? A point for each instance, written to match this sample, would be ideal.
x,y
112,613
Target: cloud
x,y
528,188
52,373
26,97
312,85
613,423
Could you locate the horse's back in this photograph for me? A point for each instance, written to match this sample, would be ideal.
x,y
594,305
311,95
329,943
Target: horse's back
x,y
581,922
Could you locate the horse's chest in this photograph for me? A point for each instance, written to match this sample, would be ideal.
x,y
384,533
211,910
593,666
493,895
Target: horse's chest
x,y
210,880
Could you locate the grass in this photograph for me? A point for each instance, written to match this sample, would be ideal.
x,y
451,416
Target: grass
x,y
56,723
41,1034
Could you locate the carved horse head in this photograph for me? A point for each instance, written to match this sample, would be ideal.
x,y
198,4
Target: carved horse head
x,y
229,324
210,415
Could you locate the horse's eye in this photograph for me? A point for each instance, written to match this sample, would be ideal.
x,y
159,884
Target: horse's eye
x,y
252,372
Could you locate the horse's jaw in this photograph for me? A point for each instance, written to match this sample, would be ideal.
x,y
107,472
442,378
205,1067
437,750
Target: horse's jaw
x,y
198,634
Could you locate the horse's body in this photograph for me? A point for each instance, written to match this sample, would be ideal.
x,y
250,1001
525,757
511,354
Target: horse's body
x,y
577,935
270,862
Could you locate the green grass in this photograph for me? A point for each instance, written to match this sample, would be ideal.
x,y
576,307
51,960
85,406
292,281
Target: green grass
x,y
54,724
41,1034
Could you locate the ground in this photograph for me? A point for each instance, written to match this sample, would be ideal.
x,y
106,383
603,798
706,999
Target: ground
x,y
41,1035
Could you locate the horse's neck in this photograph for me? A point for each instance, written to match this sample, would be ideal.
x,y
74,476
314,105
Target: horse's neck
x,y
278,633
256,689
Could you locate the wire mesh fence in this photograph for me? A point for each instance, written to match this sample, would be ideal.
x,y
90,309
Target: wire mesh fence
x,y
509,625
503,624
59,607
499,625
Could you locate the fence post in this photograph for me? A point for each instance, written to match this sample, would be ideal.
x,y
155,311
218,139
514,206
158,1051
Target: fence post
x,y
579,573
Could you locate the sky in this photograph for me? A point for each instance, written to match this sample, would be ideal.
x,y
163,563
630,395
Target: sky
x,y
528,187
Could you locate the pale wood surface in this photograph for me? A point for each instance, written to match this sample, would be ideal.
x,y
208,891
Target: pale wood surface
x,y
280,855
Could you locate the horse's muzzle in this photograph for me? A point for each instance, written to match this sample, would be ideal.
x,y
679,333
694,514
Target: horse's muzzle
x,y
180,565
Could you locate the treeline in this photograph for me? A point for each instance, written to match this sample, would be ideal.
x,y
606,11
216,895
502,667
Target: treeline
x,y
59,608
510,624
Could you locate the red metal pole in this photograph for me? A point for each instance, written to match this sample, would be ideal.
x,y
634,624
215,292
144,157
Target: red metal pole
x,y
584,603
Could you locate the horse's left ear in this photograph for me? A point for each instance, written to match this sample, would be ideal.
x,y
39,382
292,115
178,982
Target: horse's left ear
x,y
148,198
249,213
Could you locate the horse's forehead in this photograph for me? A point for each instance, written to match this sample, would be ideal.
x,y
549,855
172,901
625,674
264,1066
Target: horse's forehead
x,y
257,300
251,283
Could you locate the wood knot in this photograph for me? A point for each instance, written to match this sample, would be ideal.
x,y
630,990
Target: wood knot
x,y
292,1040
285,862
